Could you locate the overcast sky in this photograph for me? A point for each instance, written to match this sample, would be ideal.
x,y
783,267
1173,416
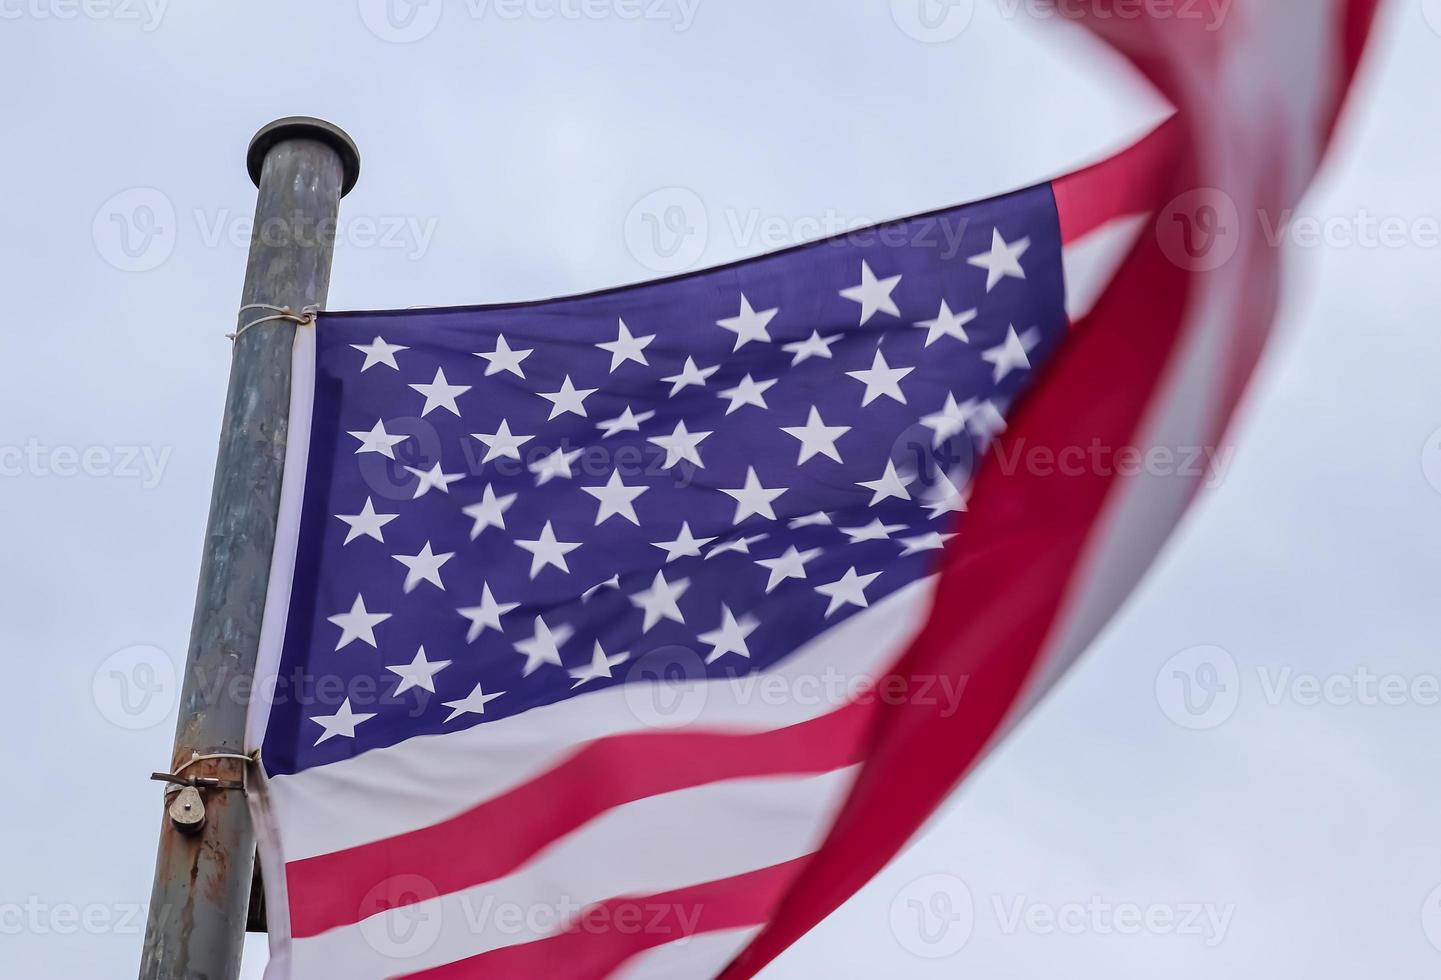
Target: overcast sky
x,y
517,157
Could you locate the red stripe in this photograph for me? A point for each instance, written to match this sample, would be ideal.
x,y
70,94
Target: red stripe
x,y
497,837
1128,183
998,596
607,934
1004,584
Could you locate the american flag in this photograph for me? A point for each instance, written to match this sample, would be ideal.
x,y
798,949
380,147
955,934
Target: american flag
x,y
606,632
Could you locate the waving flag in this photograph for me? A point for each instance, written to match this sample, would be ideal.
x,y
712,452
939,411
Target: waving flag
x,y
629,633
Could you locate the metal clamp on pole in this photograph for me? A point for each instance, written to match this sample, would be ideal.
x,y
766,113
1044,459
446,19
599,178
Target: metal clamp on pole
x,y
187,810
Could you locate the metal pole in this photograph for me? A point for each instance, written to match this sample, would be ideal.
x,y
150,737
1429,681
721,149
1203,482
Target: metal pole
x,y
196,923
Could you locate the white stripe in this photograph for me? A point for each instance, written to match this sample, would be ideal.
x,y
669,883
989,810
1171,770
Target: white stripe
x,y
658,844
1091,261
272,636
342,805
693,958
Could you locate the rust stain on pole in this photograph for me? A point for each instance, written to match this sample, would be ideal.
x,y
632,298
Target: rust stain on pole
x,y
196,924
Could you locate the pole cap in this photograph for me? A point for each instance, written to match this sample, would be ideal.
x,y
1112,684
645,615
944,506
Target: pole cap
x,y
307,128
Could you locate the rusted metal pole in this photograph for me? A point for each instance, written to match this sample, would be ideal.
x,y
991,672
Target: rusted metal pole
x,y
196,924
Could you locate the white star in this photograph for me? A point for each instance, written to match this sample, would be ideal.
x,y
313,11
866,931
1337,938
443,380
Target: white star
x,y
432,478
341,723
544,646
881,379
739,545
616,499
557,464
813,346
379,352
849,588
489,512
748,325
816,437
729,636
748,392
599,666
486,615
1010,354
659,601
986,420
945,498
546,550
686,545
689,375
472,704
440,393
424,567
930,541
792,564
626,421
626,347
1004,259
679,445
358,624
753,498
873,294
947,324
377,440
611,583
567,399
420,672
874,531
950,420
366,524
501,442
820,517
888,484
504,359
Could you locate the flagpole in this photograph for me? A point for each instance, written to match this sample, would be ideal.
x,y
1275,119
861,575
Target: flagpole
x,y
196,922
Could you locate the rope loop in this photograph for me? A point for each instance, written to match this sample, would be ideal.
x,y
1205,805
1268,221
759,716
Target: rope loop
x,y
305,318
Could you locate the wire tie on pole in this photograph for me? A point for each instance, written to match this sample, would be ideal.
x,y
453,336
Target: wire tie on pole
x,y
304,318
176,780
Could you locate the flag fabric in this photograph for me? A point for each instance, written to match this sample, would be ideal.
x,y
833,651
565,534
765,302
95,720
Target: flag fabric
x,y
627,634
